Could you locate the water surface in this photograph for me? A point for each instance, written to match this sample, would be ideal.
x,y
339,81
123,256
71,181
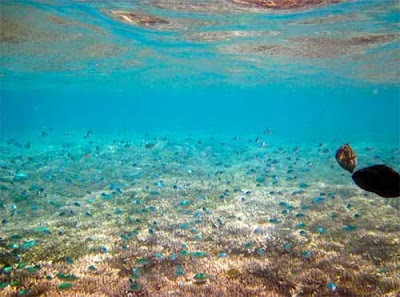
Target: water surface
x,y
186,148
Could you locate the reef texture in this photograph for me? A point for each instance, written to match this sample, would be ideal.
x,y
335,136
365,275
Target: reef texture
x,y
192,217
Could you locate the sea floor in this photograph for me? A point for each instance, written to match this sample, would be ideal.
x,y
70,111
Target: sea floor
x,y
193,216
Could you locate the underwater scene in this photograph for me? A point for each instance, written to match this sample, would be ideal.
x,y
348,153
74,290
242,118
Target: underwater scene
x,y
200,148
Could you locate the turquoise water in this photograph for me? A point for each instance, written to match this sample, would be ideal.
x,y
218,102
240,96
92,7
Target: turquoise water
x,y
195,141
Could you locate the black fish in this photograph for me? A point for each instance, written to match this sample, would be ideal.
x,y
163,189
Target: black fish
x,y
379,179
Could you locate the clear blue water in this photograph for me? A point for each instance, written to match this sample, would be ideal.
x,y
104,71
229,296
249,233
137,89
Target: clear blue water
x,y
201,80
92,71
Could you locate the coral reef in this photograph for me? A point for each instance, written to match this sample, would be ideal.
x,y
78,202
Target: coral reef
x,y
192,218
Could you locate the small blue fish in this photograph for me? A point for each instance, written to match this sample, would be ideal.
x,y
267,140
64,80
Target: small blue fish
x,y
222,255
260,251
248,245
317,200
331,286
29,244
69,260
20,176
159,184
42,229
13,210
184,203
322,230
274,221
350,228
197,214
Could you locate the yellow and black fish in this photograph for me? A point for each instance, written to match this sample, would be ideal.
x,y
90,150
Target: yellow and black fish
x,y
346,157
